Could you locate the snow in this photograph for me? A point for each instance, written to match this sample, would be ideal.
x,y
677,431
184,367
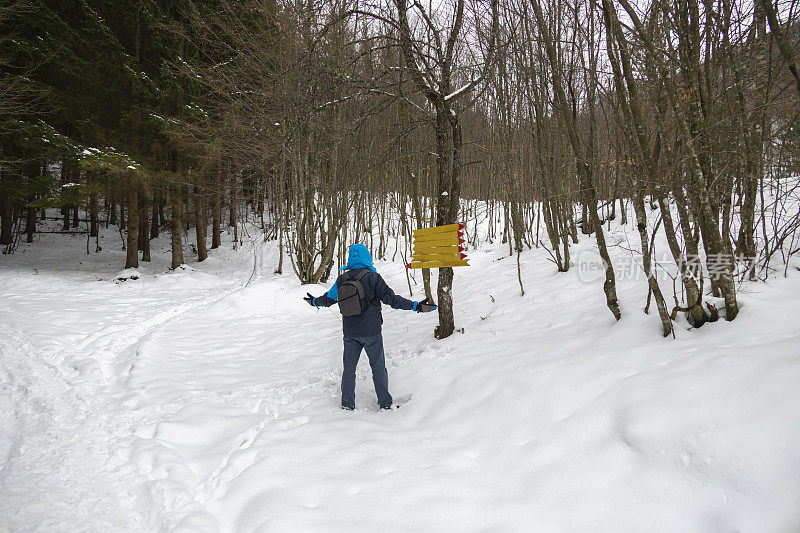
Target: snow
x,y
190,400
458,92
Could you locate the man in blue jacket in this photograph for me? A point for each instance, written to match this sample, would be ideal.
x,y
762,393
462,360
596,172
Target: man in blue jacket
x,y
364,330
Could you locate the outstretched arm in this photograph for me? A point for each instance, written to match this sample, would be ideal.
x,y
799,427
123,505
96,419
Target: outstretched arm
x,y
387,296
326,300
323,301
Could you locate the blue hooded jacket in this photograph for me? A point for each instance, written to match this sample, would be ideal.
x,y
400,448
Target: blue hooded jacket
x,y
368,323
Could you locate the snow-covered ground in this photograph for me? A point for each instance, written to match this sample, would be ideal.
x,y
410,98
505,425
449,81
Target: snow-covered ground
x,y
194,401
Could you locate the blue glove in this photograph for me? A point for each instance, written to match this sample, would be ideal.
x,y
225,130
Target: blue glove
x,y
424,306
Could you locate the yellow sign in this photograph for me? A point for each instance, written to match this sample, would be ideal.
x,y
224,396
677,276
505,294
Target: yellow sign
x,y
439,247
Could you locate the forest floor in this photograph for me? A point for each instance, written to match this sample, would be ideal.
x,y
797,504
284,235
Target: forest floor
x,y
192,400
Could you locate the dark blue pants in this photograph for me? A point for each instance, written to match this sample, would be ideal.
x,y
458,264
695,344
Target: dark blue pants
x,y
352,352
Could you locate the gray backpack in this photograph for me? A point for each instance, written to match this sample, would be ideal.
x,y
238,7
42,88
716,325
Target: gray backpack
x,y
352,298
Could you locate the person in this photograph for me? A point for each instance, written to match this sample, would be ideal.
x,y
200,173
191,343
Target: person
x,y
363,331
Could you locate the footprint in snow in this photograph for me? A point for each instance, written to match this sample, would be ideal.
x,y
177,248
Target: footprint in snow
x,y
293,423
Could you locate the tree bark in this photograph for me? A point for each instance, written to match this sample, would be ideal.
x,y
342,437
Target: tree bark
x,y
155,218
550,224
447,212
30,224
93,216
175,225
6,213
647,262
426,272
132,256
694,298
144,225
232,209
200,224
231,200
112,211
216,215
6,233
66,176
122,215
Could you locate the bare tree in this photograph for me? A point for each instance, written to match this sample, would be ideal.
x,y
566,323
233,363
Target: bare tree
x,y
433,67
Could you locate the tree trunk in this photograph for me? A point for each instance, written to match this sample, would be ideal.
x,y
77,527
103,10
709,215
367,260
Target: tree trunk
x,y
426,272
112,212
694,299
6,232
232,212
517,225
155,221
31,171
216,215
30,223
745,244
144,225
553,234
586,225
93,222
609,285
6,212
175,224
232,201
444,289
279,267
200,223
647,261
66,170
132,257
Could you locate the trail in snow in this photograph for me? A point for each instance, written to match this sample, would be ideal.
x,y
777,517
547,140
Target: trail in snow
x,y
208,400
55,474
60,369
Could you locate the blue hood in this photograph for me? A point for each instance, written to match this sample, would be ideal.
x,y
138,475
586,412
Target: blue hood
x,y
358,257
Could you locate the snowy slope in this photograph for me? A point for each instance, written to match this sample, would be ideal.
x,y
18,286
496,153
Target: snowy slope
x,y
194,401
